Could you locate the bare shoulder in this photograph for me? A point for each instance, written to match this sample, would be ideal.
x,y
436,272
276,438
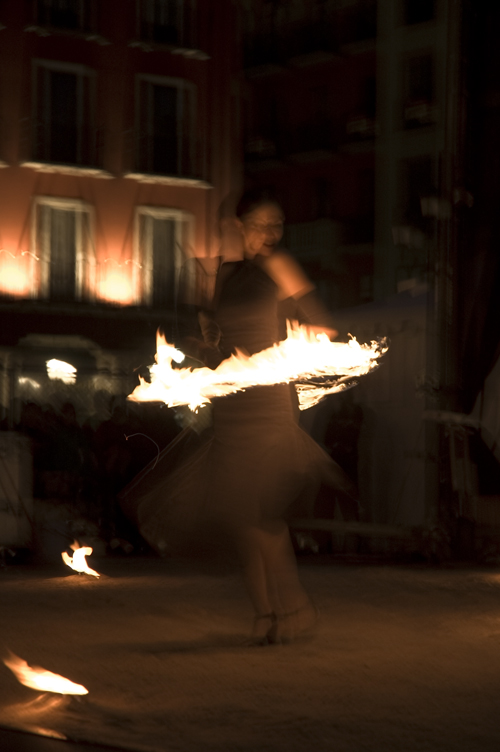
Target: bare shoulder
x,y
287,273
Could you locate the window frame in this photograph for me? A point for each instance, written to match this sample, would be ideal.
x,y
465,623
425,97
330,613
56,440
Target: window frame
x,y
81,72
145,9
40,244
86,12
181,85
143,251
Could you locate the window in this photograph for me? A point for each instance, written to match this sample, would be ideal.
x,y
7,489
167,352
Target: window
x,y
72,15
165,126
419,107
164,238
63,130
168,22
62,237
360,21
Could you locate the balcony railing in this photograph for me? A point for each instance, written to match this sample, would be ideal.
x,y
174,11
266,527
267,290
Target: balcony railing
x,y
66,15
168,22
66,144
158,155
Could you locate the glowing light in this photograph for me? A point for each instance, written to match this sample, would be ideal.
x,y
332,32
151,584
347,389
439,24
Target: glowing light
x,y
317,366
14,277
25,380
58,369
78,561
41,679
116,287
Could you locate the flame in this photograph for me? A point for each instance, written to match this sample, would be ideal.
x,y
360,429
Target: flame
x,y
39,678
78,561
317,366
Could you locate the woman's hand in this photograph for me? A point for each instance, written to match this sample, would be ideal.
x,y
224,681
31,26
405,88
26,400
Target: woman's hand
x,y
331,333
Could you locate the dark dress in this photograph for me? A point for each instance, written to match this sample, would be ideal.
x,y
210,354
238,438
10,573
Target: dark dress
x,y
255,462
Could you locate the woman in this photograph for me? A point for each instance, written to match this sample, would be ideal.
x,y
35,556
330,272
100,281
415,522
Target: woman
x,y
257,461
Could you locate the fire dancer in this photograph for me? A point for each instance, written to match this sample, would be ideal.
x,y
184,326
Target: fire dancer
x,y
238,485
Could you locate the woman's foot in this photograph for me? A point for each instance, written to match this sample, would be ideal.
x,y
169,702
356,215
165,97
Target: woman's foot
x,y
262,628
295,625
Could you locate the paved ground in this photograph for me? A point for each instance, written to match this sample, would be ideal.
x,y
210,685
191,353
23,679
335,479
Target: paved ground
x,y
404,659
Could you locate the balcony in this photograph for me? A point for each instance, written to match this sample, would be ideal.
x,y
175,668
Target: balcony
x,y
156,155
312,142
66,144
265,54
359,133
75,17
419,113
314,42
169,25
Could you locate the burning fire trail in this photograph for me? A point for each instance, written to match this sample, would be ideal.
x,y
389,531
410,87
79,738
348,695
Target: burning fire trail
x,y
39,678
78,561
317,366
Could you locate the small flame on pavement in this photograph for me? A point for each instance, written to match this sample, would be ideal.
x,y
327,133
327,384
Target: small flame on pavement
x,y
41,679
318,366
78,561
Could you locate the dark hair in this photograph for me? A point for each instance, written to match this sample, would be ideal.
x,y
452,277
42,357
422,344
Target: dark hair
x,y
254,199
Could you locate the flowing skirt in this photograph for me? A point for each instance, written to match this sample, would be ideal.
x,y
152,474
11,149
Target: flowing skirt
x,y
253,465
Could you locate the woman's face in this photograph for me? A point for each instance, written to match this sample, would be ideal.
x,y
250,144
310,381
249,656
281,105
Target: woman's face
x,y
262,230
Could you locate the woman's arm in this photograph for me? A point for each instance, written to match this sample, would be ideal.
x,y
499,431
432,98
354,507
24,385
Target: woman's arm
x,y
288,275
293,284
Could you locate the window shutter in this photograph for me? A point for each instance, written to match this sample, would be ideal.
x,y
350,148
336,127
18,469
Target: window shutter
x,y
65,109
165,131
186,128
144,141
164,266
41,118
62,278
88,134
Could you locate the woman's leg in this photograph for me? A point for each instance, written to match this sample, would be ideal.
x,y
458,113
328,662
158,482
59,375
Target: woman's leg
x,y
295,612
252,561
271,577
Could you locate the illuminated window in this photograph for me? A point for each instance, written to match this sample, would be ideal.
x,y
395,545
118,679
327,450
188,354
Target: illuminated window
x,y
63,99
64,14
164,238
62,238
165,126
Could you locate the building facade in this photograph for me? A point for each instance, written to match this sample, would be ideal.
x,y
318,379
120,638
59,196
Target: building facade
x,y
119,137
310,128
